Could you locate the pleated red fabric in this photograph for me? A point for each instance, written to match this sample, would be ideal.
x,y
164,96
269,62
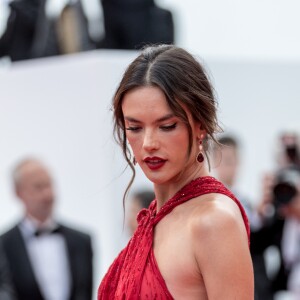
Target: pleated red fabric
x,y
134,274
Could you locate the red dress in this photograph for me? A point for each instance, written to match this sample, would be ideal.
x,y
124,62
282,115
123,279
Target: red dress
x,y
134,274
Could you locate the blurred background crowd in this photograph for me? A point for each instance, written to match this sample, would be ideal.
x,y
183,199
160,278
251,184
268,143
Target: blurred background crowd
x,y
57,261
38,28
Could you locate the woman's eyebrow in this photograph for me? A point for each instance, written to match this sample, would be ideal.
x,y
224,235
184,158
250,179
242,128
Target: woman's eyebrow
x,y
130,119
164,118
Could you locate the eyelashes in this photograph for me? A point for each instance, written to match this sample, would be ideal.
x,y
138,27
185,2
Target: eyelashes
x,y
163,128
133,128
168,127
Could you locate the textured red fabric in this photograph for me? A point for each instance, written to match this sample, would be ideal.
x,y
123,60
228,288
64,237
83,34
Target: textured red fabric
x,y
134,274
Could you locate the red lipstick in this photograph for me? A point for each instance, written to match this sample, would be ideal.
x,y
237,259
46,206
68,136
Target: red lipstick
x,y
154,163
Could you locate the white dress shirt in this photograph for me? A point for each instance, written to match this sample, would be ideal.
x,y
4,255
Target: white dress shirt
x,y
49,259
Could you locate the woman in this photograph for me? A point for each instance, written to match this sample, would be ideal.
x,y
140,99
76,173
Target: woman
x,y
192,242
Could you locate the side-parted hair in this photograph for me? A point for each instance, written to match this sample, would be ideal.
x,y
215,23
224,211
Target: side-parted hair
x,y
183,81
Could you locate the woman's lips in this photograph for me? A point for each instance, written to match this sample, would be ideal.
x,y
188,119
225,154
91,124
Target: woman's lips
x,y
154,163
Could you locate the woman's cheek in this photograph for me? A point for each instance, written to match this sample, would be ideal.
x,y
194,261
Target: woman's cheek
x,y
133,141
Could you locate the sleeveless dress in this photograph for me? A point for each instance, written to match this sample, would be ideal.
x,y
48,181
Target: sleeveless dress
x,y
135,274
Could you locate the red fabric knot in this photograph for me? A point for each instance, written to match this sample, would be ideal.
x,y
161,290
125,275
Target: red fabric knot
x,y
143,216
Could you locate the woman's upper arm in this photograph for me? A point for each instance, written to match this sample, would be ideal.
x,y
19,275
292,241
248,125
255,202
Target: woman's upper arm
x,y
222,254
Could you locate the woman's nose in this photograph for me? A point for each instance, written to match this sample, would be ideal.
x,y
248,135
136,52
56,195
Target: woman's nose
x,y
150,141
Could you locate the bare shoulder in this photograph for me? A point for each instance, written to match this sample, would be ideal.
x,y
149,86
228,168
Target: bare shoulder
x,y
219,237
215,215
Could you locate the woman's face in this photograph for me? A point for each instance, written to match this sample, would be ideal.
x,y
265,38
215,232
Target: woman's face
x,y
159,140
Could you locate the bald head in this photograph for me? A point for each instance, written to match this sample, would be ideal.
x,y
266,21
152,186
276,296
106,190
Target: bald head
x,y
33,185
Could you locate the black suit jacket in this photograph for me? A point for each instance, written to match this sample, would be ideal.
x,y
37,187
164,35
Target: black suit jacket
x,y
31,34
269,235
16,41
132,24
80,260
6,289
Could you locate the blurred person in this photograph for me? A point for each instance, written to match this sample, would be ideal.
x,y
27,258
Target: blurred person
x,y
17,40
290,244
226,157
47,260
62,31
278,210
289,154
73,33
131,24
139,200
6,288
286,200
187,243
33,32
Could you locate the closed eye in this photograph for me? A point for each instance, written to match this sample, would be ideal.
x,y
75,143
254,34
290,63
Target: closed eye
x,y
168,127
133,128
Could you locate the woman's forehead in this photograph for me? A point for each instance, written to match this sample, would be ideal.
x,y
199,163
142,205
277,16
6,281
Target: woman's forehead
x,y
145,99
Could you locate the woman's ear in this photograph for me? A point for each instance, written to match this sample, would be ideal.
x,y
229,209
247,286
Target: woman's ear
x,y
200,133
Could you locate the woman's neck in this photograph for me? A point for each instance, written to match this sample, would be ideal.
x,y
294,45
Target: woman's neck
x,y
164,192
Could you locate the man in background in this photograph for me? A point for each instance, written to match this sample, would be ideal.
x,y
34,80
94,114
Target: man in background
x,y
6,289
47,260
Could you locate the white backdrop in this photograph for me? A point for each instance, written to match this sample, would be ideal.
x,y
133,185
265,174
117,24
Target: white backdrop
x,y
59,110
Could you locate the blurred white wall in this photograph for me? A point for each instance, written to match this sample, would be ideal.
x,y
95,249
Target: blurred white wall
x,y
235,29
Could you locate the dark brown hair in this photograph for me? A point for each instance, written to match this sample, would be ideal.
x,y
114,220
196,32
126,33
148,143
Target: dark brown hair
x,y
185,84
228,140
